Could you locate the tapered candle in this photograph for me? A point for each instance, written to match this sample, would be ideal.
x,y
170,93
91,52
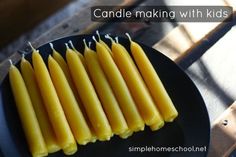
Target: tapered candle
x,y
39,108
27,115
72,111
158,124
121,91
53,106
89,97
141,96
153,82
104,91
62,63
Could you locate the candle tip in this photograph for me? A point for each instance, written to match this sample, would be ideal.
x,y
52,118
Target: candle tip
x,y
94,39
10,62
23,56
72,45
67,47
85,44
99,37
117,40
107,36
29,43
51,45
89,44
127,34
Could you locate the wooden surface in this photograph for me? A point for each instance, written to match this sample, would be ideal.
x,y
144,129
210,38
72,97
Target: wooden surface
x,y
214,75
223,133
18,16
80,23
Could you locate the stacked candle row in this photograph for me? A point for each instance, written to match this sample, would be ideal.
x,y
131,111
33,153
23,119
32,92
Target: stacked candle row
x,y
87,97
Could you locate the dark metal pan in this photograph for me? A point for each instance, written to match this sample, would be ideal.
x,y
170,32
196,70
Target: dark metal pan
x,y
189,131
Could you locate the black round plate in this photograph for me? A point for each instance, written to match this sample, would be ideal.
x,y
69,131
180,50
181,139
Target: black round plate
x,y
190,130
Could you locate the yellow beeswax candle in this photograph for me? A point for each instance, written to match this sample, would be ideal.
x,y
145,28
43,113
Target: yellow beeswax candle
x,y
153,82
39,108
27,115
88,96
53,106
158,124
141,96
73,114
128,132
124,98
108,100
62,63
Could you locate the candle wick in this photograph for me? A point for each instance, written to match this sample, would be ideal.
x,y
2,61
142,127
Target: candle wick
x,y
10,62
107,36
94,39
32,48
71,44
23,55
85,44
89,44
99,37
127,34
117,40
67,47
51,45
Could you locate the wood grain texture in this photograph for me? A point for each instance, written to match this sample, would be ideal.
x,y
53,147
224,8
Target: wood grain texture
x,y
223,139
81,22
18,16
77,24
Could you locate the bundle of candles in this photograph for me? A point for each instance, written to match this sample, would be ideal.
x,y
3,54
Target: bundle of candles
x,y
88,97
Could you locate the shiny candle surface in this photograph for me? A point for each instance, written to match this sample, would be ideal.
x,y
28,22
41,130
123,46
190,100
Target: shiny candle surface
x,y
53,106
89,97
39,107
27,115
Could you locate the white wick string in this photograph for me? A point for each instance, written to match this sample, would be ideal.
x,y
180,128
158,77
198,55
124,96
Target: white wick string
x,y
51,45
85,44
10,62
67,46
71,44
89,44
127,34
117,40
94,39
97,32
107,36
